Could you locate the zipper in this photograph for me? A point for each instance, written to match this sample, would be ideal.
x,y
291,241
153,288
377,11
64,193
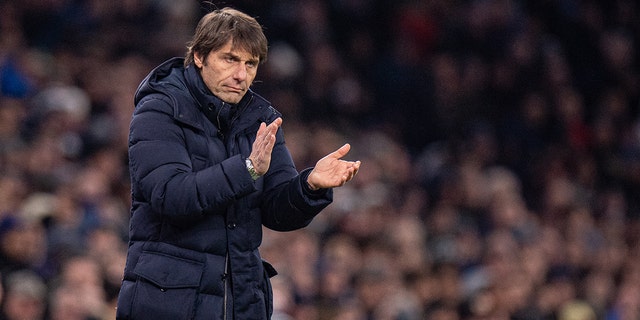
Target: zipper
x,y
236,115
240,110
231,132
226,285
220,133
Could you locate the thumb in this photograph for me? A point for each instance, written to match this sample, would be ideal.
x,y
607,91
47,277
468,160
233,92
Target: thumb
x,y
341,152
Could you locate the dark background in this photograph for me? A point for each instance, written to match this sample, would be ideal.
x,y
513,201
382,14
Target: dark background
x,y
500,142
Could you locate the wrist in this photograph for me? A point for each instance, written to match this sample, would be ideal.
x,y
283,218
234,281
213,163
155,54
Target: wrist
x,y
252,170
311,186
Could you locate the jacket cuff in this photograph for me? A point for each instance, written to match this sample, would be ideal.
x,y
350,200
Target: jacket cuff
x,y
313,194
238,176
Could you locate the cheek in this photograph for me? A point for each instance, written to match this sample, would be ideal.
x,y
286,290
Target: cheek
x,y
212,78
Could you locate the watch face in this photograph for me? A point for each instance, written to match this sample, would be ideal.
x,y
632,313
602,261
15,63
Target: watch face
x,y
251,169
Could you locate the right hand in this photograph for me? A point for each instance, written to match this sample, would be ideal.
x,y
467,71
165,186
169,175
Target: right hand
x,y
263,145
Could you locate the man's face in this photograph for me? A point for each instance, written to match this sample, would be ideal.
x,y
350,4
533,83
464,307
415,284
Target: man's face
x,y
228,72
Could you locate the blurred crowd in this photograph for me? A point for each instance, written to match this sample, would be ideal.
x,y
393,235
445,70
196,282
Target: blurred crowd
x,y
499,140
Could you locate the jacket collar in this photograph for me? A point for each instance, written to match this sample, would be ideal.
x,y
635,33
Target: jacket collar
x,y
199,89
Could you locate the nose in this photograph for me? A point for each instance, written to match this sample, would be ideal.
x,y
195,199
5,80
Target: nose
x,y
241,72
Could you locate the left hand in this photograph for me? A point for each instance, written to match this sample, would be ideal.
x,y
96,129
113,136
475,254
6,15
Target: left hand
x,y
331,171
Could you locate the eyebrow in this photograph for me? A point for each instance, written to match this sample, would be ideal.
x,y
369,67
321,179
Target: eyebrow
x,y
237,57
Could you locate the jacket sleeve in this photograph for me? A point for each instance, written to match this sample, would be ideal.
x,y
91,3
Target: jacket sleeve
x,y
288,202
162,172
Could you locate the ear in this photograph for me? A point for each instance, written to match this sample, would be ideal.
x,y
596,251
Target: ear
x,y
197,60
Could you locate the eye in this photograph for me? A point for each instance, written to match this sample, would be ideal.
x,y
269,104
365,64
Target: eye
x,y
251,64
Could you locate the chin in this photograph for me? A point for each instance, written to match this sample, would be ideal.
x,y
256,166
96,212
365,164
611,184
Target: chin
x,y
233,99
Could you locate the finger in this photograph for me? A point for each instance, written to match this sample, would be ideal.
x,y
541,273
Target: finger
x,y
266,143
277,122
262,128
356,167
261,132
270,141
352,172
259,145
272,128
269,131
260,135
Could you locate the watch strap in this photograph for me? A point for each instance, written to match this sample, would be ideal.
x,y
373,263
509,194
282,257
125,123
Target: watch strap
x,y
252,171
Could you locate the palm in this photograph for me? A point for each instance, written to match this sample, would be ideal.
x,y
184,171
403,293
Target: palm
x,y
331,171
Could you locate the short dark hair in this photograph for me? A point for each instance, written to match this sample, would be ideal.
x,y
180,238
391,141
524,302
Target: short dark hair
x,y
216,28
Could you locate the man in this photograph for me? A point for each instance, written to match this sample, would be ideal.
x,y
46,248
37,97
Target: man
x,y
209,167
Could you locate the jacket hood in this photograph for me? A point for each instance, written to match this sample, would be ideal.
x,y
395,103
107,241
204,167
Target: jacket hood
x,y
168,81
158,79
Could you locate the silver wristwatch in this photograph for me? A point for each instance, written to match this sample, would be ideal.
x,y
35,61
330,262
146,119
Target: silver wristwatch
x,y
251,169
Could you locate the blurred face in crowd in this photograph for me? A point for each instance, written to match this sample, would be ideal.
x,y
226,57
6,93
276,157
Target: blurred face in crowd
x,y
228,72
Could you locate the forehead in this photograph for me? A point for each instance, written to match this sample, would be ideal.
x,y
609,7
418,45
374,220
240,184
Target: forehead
x,y
232,49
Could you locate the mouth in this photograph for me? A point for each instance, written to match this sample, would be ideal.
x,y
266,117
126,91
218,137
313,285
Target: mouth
x,y
235,89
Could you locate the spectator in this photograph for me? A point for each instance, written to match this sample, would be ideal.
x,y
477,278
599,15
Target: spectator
x,y
25,297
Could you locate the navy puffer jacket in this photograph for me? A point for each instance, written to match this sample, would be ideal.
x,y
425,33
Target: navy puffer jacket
x,y
196,214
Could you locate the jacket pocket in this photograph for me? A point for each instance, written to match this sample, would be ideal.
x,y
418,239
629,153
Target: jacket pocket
x,y
167,287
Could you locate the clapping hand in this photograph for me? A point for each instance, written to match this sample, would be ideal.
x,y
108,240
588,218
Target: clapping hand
x,y
263,146
331,171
